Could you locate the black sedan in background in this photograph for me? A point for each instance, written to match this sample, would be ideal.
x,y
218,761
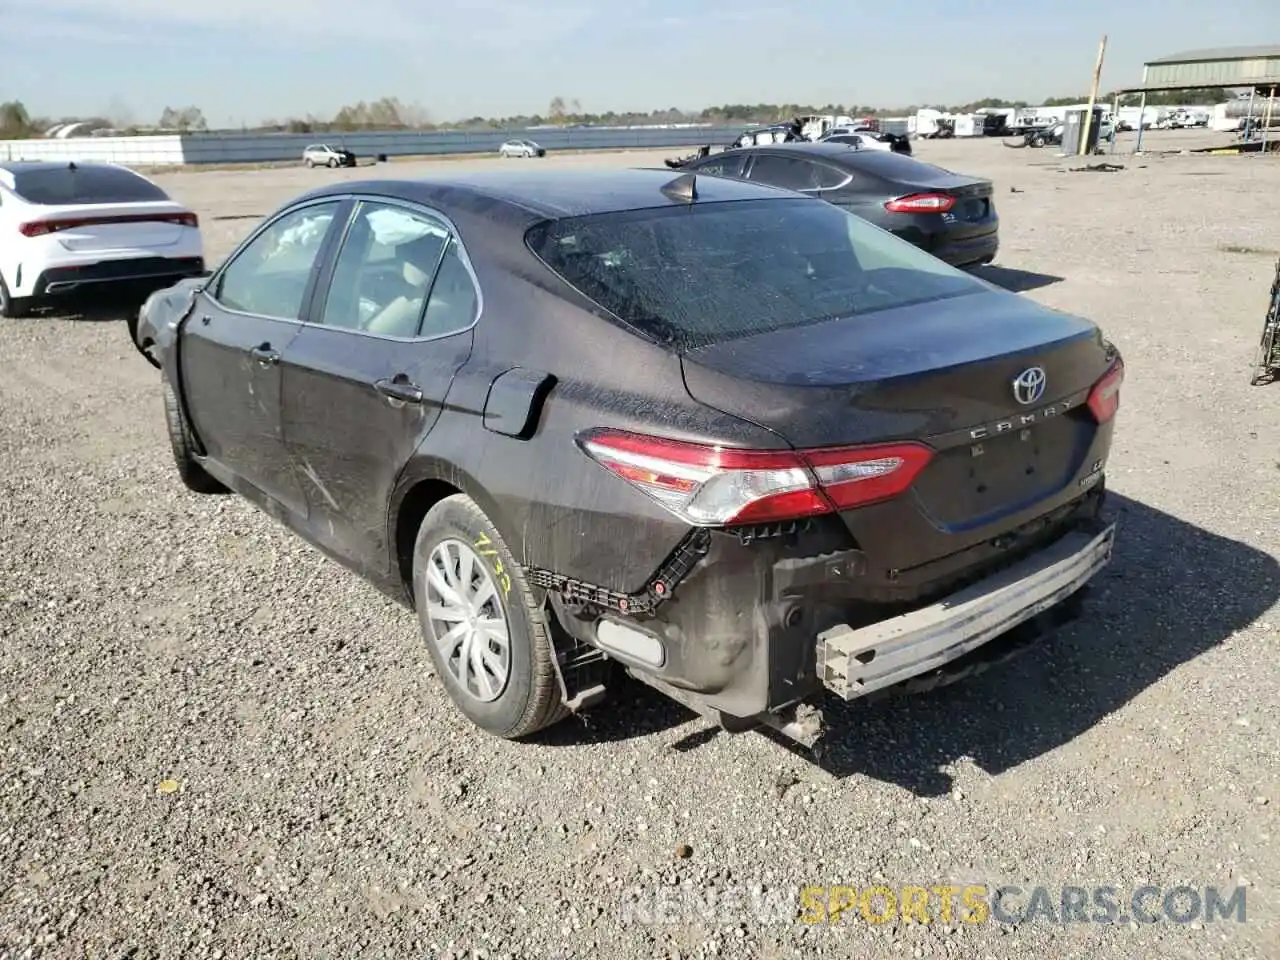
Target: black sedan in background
x,y
950,215
735,440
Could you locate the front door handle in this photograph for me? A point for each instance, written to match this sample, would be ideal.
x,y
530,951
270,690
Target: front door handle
x,y
399,390
265,355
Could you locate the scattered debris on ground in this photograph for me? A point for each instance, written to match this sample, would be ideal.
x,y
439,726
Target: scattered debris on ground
x,y
1098,168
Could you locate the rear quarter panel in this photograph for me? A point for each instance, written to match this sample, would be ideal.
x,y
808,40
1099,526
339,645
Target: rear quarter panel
x,y
558,510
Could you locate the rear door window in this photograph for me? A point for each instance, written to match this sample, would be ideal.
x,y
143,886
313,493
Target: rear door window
x,y
727,166
89,183
384,271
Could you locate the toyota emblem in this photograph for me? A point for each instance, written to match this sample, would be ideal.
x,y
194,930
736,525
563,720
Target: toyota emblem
x,y
1028,386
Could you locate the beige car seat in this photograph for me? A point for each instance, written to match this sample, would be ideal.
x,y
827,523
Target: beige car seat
x,y
418,259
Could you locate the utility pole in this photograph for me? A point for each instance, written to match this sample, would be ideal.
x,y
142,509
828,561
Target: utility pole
x,y
1093,97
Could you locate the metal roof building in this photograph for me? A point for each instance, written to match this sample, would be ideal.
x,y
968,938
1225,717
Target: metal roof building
x,y
1256,67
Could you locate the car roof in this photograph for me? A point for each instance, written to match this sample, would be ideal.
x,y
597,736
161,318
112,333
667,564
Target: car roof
x,y
554,194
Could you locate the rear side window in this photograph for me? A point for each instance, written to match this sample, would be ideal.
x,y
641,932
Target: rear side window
x,y
698,275
790,173
826,178
50,186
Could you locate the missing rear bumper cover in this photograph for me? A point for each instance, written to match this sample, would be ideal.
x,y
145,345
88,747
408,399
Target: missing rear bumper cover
x,y
855,662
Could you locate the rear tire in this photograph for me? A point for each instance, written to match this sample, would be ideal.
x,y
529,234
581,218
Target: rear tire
x,y
194,477
13,307
309,163
467,584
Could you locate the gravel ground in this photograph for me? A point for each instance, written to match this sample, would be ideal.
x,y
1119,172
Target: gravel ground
x,y
329,802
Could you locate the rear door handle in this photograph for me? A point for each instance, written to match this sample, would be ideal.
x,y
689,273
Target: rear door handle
x,y
265,355
399,390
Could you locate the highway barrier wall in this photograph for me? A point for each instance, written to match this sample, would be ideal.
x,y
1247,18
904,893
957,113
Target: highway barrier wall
x,y
271,147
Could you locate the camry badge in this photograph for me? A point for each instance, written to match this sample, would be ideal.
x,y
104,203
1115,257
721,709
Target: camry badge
x,y
1028,386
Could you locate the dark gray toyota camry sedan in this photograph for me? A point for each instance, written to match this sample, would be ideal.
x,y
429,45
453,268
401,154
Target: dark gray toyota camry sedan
x,y
727,438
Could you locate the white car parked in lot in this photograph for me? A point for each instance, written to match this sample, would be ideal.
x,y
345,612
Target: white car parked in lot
x,y
521,148
68,226
323,155
864,139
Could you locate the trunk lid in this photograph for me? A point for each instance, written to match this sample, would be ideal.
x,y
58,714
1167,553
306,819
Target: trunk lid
x,y
111,227
925,177
942,372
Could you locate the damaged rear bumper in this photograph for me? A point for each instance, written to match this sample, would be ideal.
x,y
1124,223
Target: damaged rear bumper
x,y
757,630
855,662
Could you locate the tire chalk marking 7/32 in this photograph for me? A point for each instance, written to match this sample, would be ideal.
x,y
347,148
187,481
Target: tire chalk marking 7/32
x,y
486,549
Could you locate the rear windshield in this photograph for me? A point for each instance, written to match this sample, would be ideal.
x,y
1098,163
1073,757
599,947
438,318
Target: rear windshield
x,y
50,186
697,275
895,166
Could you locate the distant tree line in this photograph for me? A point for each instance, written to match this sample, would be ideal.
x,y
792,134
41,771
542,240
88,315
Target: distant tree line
x,y
183,119
1200,97
15,122
389,113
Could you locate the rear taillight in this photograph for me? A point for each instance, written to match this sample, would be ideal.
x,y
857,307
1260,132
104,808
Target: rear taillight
x,y
1104,398
714,486
921,203
40,228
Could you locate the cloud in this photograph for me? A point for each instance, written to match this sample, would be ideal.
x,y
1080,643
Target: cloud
x,y
397,23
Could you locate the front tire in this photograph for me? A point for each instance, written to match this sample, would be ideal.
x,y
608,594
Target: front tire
x,y
333,163
194,477
485,631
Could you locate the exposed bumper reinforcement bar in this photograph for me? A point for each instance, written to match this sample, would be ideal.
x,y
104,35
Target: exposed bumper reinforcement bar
x,y
853,663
